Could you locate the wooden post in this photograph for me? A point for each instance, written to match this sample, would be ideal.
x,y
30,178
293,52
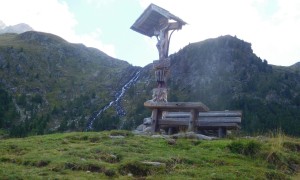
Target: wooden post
x,y
156,116
154,120
159,116
222,132
193,118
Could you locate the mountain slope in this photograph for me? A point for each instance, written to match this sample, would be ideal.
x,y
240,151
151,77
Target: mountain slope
x,y
57,85
224,73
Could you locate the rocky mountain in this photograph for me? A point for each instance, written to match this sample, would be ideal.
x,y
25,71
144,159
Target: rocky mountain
x,y
54,85
296,66
48,84
18,28
225,74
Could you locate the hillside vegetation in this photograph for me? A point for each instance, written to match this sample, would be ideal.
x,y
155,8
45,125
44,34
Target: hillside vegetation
x,y
122,155
49,85
54,85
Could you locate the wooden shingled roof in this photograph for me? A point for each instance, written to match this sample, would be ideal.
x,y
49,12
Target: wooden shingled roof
x,y
150,18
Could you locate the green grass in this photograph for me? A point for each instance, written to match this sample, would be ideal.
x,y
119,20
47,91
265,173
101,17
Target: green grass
x,y
95,155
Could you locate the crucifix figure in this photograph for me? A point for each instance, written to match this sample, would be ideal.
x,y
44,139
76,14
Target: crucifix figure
x,y
162,38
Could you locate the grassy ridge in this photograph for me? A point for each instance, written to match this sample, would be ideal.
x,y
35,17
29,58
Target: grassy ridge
x,y
103,155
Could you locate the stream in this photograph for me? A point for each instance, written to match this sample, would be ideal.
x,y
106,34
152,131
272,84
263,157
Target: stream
x,y
116,102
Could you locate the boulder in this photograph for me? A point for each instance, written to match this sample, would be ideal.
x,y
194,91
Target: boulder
x,y
147,121
141,127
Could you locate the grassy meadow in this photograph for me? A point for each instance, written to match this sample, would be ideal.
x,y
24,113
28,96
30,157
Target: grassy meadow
x,y
123,155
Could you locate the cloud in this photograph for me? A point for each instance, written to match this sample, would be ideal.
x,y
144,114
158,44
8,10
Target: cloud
x,y
52,16
92,39
271,26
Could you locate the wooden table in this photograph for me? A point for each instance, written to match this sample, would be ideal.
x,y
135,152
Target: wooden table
x,y
158,107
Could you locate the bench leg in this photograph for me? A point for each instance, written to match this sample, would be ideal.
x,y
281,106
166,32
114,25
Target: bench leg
x,y
154,120
156,116
222,132
194,117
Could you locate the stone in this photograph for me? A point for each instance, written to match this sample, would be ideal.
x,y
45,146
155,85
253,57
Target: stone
x,y
163,132
154,163
147,121
171,141
157,136
192,135
141,127
148,129
117,137
136,132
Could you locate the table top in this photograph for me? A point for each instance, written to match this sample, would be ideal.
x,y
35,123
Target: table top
x,y
182,106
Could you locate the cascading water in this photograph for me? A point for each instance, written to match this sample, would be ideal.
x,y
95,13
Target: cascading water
x,y
118,97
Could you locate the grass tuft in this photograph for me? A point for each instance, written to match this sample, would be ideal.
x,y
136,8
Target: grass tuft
x,y
249,148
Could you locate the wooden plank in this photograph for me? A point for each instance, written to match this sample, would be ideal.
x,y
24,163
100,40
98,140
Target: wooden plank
x,y
205,114
185,122
174,122
209,119
220,114
220,119
206,126
216,125
183,106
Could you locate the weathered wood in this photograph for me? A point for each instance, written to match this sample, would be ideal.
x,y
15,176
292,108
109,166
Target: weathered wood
x,y
174,26
209,119
192,121
220,124
205,114
172,106
221,119
150,18
154,120
204,126
157,64
220,114
222,132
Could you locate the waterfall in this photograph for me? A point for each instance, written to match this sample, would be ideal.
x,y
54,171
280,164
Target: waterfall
x,y
118,97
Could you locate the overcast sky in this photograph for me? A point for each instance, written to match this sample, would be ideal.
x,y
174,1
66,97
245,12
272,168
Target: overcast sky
x,y
271,26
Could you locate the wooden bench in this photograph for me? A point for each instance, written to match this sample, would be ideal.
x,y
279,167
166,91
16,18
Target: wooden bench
x,y
194,115
212,120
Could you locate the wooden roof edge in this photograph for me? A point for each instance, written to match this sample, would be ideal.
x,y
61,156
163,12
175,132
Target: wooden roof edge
x,y
166,13
161,11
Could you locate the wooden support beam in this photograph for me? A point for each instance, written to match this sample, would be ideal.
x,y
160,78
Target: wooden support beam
x,y
154,120
192,122
222,132
174,26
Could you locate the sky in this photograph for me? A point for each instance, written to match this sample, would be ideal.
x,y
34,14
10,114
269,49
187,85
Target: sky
x,y
271,26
